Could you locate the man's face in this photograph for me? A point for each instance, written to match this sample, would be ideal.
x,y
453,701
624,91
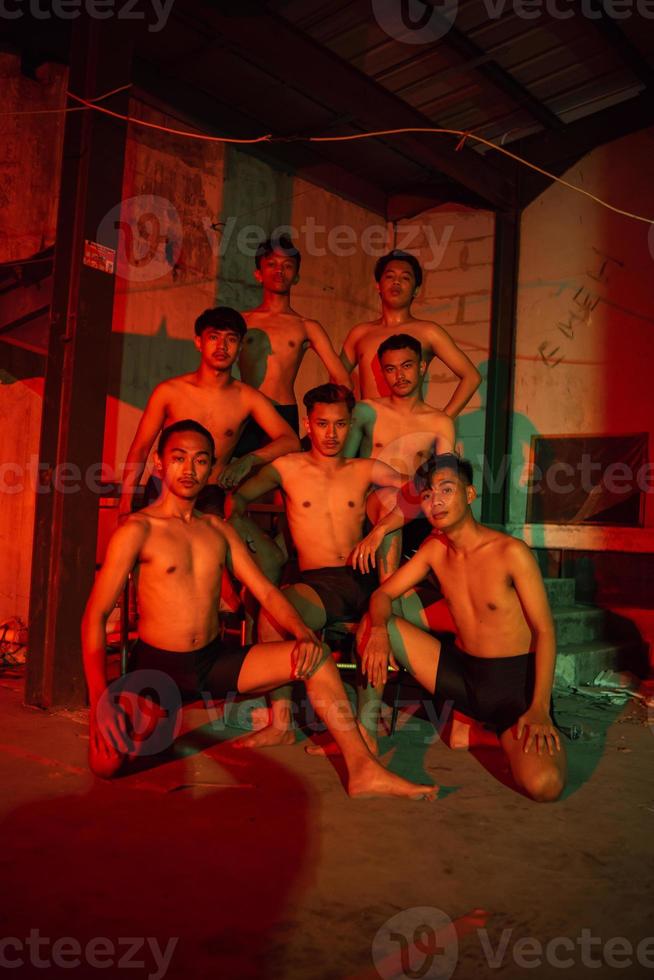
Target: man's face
x,y
445,503
186,464
403,371
218,348
277,272
328,426
397,286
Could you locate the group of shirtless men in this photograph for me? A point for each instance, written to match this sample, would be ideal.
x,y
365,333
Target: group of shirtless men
x,y
378,463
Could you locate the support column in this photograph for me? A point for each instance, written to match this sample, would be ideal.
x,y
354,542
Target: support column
x,y
72,431
499,403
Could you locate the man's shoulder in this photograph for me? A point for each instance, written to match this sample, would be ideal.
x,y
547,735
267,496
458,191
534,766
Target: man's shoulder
x,y
361,329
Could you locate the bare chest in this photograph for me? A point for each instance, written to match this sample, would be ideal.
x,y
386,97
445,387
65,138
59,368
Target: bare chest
x,y
223,414
178,557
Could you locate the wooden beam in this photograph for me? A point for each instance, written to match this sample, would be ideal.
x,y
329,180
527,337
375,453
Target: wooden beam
x,y
72,431
556,152
499,402
273,44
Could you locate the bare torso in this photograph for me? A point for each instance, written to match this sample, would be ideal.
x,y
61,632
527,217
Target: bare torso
x,y
325,506
481,597
369,336
272,352
404,440
223,411
179,577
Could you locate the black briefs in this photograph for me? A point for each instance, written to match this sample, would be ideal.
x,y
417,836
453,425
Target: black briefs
x,y
344,592
492,690
212,670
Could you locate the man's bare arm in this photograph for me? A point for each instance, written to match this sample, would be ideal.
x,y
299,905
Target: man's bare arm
x,y
122,552
460,364
357,431
528,583
307,653
263,482
282,440
445,437
322,345
348,352
373,641
148,429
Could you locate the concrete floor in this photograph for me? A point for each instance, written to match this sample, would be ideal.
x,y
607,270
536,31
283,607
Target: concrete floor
x,y
261,867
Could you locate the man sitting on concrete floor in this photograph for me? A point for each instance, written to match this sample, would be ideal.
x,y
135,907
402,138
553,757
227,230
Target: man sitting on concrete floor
x,y
181,554
501,669
325,498
278,338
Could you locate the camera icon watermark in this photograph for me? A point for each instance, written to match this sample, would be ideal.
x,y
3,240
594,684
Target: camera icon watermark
x,y
417,942
150,237
415,22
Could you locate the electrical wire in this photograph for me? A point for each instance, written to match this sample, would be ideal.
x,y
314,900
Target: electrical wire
x,y
463,135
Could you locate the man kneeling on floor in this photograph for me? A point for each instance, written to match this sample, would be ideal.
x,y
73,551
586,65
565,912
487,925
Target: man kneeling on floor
x,y
501,668
180,554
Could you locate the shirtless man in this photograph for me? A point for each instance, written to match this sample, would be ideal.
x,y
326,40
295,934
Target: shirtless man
x,y
222,404
495,593
325,497
278,338
180,554
400,429
399,277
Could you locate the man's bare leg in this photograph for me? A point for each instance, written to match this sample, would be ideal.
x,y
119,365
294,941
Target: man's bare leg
x,y
541,777
269,664
281,730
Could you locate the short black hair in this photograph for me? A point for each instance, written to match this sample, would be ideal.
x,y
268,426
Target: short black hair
x,y
186,425
329,394
277,243
443,461
399,341
397,255
221,318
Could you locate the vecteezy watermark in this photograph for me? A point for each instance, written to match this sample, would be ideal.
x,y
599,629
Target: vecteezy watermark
x,y
96,9
418,942
151,700
149,238
559,478
99,953
423,942
417,22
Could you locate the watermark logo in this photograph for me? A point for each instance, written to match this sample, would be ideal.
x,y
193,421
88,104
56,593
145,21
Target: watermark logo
x,y
416,944
150,237
415,22
100,953
150,702
156,12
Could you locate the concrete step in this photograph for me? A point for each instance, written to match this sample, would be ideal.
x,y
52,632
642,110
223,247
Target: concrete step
x,y
579,624
560,591
580,663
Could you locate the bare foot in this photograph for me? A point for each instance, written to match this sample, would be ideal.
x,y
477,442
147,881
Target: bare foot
x,y
331,748
371,779
265,738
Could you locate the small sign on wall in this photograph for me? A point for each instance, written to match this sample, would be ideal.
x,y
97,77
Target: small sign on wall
x,y
99,256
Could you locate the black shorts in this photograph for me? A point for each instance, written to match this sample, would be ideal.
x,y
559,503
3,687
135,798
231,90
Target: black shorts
x,y
212,670
253,436
344,592
492,690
